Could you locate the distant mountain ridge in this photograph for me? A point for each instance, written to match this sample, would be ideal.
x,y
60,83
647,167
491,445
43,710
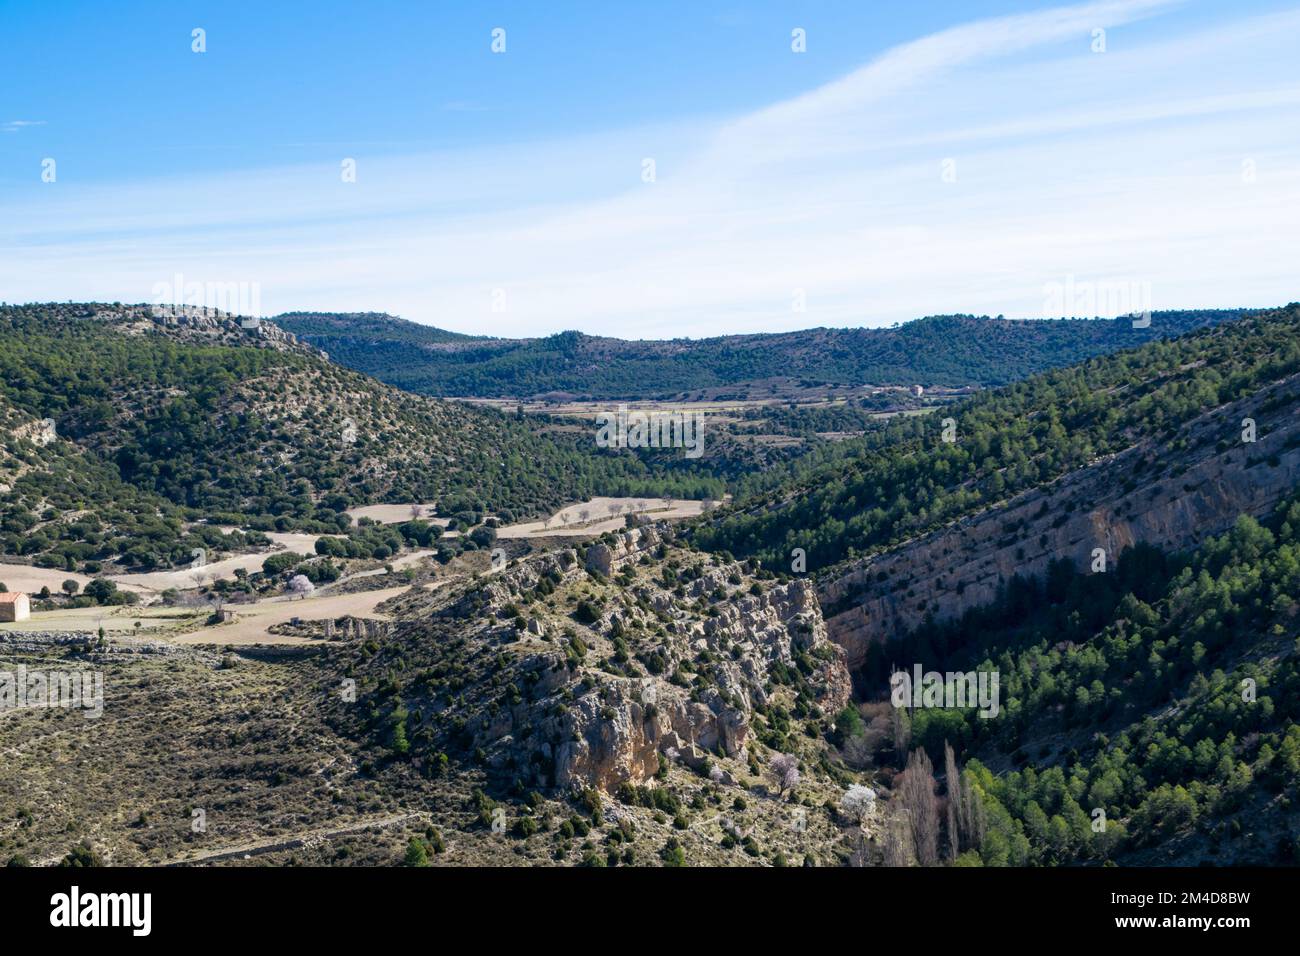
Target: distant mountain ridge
x,y
953,350
907,479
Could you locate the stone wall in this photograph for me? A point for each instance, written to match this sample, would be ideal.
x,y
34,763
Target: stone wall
x,y
29,642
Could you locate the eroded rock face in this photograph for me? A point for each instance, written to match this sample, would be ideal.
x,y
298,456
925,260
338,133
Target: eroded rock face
x,y
1172,498
583,726
606,558
497,591
40,432
616,736
191,321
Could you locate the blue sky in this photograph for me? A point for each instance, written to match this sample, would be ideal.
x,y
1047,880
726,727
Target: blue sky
x,y
917,158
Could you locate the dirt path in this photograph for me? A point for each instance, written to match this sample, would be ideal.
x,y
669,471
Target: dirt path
x,y
189,578
402,561
23,577
292,841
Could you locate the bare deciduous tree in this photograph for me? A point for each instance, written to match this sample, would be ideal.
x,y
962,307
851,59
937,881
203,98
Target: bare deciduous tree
x,y
861,855
860,750
896,838
914,789
952,780
784,770
902,727
971,817
857,752
966,815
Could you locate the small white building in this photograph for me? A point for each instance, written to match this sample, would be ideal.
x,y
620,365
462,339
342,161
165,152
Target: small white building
x,y
15,606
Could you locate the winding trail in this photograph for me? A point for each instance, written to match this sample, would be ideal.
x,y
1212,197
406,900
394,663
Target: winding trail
x,y
291,841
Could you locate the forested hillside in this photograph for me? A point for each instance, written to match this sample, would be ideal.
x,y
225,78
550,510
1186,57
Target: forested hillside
x,y
1149,714
905,478
361,327
62,507
955,350
204,420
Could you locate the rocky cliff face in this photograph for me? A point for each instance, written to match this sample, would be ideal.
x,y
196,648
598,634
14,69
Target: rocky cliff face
x,y
1172,493
617,734
201,323
675,658
40,432
227,328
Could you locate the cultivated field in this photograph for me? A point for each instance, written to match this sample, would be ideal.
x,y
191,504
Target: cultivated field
x,y
395,514
583,518
153,620
600,515
252,620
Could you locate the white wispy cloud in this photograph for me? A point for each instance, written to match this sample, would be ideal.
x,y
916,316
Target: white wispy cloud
x,y
13,126
1138,164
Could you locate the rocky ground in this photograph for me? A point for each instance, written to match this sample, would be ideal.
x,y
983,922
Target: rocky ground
x,y
618,703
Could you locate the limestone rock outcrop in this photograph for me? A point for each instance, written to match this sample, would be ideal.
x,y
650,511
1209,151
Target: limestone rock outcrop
x,y
1172,494
691,680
